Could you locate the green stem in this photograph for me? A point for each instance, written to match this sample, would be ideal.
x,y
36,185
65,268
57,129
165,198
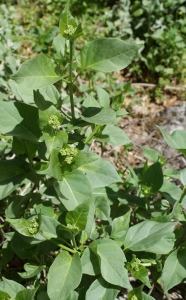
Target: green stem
x,y
97,127
59,245
74,241
71,82
77,76
5,137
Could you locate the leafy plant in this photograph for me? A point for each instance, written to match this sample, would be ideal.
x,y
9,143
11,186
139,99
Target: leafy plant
x,y
71,228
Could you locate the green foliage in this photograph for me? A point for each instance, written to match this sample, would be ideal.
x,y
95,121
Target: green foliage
x,y
66,212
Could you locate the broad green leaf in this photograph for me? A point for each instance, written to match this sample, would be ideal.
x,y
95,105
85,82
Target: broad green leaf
x,y
55,141
153,178
37,72
107,55
78,216
99,116
177,140
73,296
103,97
31,270
99,171
114,136
21,226
102,290
19,119
59,43
13,170
137,293
54,168
64,276
73,189
183,176
90,101
111,262
11,287
21,247
151,154
3,295
42,296
120,226
170,191
45,115
90,263
102,208
50,93
174,270
138,271
15,204
68,26
26,294
49,226
147,234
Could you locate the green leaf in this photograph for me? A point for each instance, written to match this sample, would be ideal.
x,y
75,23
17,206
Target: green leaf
x,y
151,154
13,170
55,141
21,226
174,270
26,294
138,271
183,176
73,189
111,262
103,97
54,168
59,43
90,101
102,208
3,295
64,276
114,136
31,270
90,263
177,140
17,202
107,55
147,234
120,226
170,191
68,26
11,287
153,178
99,171
37,72
102,290
78,216
73,296
99,116
15,120
44,116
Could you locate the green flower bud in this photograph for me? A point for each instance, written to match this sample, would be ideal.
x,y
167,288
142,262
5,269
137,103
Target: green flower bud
x,y
54,121
72,227
33,227
134,298
70,30
135,264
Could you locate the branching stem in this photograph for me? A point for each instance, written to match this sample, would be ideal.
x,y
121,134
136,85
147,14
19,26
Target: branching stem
x,y
71,82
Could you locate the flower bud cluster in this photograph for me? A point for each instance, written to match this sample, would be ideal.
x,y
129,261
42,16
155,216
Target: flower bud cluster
x,y
135,264
72,227
54,121
70,30
69,154
33,227
134,298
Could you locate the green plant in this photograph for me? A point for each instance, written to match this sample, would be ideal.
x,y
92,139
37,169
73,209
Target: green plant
x,y
71,228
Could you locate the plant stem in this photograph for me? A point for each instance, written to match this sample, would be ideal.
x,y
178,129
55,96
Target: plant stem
x,y
74,241
56,243
71,82
5,137
97,127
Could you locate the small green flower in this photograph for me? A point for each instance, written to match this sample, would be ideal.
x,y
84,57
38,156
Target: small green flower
x,y
33,227
135,264
72,227
134,298
69,154
54,121
70,30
